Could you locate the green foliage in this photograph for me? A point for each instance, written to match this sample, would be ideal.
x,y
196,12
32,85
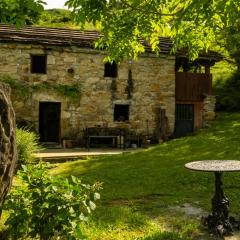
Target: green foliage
x,y
60,18
20,12
222,70
193,25
56,18
226,86
25,89
27,145
227,93
21,88
71,91
46,207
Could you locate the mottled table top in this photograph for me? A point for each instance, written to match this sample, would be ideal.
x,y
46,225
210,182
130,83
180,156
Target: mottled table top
x,y
214,165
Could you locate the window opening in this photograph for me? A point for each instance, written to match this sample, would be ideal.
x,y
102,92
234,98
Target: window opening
x,y
121,112
39,64
110,69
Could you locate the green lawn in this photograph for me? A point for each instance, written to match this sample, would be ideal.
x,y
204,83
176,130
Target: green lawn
x,y
142,190
139,189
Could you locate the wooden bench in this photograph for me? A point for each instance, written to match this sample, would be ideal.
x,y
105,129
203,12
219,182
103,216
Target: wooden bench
x,y
116,134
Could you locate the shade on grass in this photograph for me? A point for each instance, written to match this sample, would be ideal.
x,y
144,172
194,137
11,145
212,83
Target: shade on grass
x,y
159,171
141,190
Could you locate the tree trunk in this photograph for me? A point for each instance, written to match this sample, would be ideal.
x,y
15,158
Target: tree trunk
x,y
8,151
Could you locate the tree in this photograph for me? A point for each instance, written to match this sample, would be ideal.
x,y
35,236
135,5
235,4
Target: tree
x,y
56,18
192,24
8,157
19,12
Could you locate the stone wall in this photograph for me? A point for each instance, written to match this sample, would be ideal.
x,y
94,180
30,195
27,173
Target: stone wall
x,y
153,87
209,114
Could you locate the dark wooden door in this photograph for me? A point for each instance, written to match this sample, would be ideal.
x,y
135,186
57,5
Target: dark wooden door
x,y
184,123
49,121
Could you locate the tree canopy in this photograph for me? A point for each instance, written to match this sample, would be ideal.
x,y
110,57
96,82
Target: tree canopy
x,y
192,24
56,18
20,12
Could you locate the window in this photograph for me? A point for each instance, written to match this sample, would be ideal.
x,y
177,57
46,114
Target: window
x,y
39,64
110,69
121,112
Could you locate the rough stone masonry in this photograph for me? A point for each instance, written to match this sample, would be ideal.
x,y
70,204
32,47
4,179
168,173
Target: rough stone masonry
x,y
153,80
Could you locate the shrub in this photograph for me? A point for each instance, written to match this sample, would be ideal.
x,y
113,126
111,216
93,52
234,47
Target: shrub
x,y
227,93
45,207
27,145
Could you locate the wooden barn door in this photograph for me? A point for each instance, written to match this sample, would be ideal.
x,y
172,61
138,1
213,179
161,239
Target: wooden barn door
x,y
184,123
49,121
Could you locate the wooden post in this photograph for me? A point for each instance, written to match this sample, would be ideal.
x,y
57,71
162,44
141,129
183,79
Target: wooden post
x,y
207,69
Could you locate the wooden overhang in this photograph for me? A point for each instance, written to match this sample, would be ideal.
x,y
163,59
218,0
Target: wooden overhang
x,y
192,87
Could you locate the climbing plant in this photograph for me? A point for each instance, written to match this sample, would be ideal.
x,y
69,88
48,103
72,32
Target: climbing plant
x,y
25,89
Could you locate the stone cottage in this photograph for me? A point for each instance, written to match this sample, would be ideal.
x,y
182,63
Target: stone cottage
x,y
61,86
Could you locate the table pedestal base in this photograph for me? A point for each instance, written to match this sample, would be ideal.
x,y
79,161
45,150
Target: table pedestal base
x,y
219,221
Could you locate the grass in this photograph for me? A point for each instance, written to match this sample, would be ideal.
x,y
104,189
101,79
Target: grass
x,y
144,185
141,190
159,171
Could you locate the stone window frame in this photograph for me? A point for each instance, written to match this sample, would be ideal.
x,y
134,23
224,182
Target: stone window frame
x,y
40,58
111,69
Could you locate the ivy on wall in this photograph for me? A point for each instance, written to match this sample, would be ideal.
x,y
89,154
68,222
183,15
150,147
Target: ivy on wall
x,y
72,92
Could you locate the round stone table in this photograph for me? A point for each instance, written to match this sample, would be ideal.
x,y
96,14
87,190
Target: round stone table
x,y
218,221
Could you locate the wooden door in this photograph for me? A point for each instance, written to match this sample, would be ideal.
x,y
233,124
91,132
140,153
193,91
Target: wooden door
x,y
49,121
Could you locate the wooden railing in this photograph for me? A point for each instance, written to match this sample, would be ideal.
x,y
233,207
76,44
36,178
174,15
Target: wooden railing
x,y
192,86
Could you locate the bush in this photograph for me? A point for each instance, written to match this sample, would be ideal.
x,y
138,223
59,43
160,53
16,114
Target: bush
x,y
45,207
227,93
27,145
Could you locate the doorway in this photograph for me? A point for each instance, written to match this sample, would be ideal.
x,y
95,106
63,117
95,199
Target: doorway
x,y
49,121
184,119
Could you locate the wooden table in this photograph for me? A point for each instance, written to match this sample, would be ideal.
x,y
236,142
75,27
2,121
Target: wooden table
x,y
218,221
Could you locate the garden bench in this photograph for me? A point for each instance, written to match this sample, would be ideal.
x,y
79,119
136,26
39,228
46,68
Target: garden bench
x,y
116,135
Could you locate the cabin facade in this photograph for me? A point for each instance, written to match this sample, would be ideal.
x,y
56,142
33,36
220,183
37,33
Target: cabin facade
x,y
61,86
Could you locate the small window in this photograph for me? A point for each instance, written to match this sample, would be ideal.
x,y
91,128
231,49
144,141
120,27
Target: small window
x,y
121,112
110,69
39,64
